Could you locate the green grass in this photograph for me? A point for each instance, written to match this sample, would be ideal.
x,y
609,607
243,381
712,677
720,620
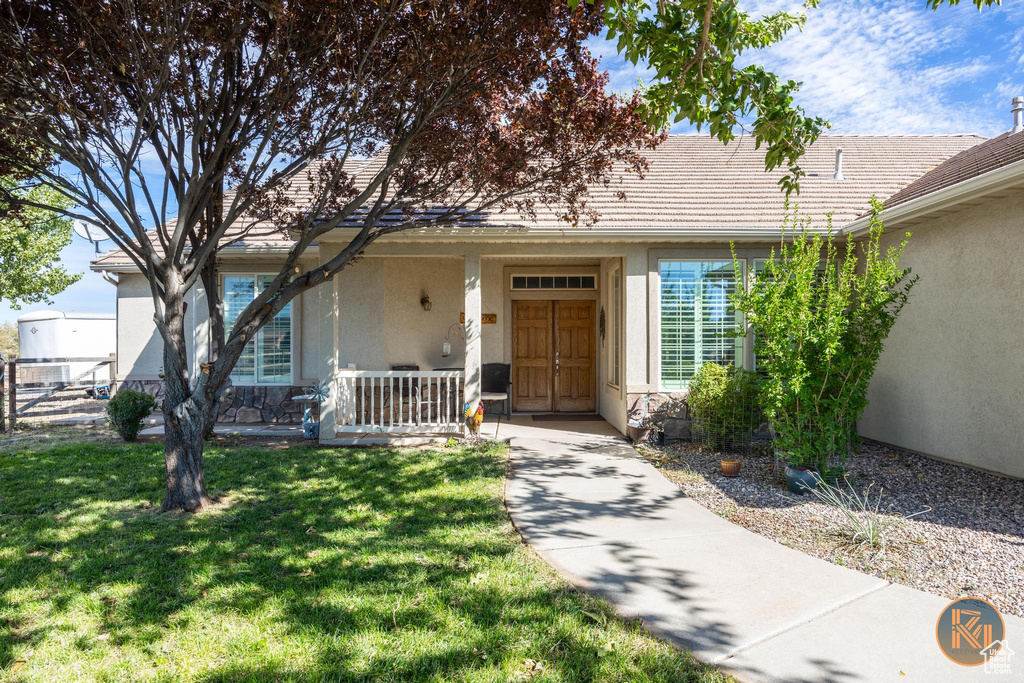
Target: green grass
x,y
316,564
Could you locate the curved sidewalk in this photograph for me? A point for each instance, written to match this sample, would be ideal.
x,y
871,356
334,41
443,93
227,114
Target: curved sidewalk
x,y
608,520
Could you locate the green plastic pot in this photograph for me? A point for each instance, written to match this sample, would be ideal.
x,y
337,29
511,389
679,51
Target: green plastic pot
x,y
802,479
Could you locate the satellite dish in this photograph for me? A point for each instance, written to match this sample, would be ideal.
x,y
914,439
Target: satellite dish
x,y
89,231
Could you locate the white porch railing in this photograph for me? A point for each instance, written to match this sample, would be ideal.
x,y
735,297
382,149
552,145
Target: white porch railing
x,y
399,401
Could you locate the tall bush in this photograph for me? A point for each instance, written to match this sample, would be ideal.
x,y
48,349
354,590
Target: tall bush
x,y
819,328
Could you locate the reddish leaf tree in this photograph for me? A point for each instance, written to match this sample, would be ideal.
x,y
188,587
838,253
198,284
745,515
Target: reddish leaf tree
x,y
468,107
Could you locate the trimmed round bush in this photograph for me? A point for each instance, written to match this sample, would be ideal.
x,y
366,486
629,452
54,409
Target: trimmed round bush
x,y
127,410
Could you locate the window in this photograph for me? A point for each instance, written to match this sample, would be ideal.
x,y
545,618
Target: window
x,y
267,358
615,306
554,282
696,316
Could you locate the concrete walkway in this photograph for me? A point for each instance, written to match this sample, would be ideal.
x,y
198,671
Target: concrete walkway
x,y
607,520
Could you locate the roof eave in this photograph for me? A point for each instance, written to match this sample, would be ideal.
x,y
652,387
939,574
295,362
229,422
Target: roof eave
x,y
99,266
944,198
562,235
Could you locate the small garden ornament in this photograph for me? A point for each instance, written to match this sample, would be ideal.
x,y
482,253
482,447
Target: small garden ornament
x,y
641,424
474,418
315,395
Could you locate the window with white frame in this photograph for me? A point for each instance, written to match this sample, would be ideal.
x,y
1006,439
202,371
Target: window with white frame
x,y
697,319
615,347
267,358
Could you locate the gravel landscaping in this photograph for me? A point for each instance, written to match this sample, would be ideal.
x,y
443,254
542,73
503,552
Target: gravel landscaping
x,y
968,541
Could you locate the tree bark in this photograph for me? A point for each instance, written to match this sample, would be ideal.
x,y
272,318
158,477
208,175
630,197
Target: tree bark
x,y
187,414
215,341
183,461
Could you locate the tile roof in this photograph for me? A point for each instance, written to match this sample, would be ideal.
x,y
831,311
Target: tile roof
x,y
695,182
990,155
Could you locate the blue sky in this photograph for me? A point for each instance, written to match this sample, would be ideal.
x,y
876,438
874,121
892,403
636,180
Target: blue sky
x,y
868,66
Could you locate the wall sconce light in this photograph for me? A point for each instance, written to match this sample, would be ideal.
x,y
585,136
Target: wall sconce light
x,y
425,302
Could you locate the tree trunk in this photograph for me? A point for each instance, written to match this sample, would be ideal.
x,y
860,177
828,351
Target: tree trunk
x,y
183,460
211,288
187,414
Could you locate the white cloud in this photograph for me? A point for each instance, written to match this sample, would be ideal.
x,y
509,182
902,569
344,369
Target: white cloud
x,y
885,67
891,67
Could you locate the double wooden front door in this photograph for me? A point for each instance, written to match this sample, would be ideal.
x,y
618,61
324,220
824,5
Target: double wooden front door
x,y
553,366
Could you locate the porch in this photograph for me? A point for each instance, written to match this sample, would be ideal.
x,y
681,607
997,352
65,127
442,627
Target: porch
x,y
409,358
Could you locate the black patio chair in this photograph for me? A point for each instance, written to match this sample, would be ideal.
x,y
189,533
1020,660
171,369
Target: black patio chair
x,y
496,385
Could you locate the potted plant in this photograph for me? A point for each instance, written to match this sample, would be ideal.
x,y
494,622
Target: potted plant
x,y
640,429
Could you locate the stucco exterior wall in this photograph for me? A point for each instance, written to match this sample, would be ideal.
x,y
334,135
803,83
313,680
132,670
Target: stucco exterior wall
x,y
371,315
381,321
139,346
611,396
950,381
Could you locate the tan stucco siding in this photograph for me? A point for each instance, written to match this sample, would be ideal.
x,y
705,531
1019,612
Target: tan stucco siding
x,y
139,347
492,295
311,317
612,403
950,381
381,321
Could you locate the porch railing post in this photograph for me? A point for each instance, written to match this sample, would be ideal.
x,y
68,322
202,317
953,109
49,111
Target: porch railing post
x,y
3,417
113,374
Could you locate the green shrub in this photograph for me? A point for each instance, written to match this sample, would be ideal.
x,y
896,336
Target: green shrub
x,y
723,405
819,329
127,410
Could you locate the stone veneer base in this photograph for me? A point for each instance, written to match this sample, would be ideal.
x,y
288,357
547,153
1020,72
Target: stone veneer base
x,y
249,405
668,410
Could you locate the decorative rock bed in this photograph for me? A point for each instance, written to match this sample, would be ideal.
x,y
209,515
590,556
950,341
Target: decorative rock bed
x,y
969,540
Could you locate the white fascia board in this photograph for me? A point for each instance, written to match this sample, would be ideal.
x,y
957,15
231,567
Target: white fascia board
x,y
945,198
233,250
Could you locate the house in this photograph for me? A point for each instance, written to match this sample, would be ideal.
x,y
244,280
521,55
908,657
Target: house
x,y
594,319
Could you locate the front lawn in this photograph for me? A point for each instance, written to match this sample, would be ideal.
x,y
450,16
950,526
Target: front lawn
x,y
378,564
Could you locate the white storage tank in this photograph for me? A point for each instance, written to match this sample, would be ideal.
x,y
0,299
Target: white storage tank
x,y
58,335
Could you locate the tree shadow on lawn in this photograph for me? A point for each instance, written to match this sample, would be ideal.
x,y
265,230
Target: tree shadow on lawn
x,y
376,564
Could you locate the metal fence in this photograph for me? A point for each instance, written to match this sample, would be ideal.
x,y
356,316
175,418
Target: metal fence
x,y
56,389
